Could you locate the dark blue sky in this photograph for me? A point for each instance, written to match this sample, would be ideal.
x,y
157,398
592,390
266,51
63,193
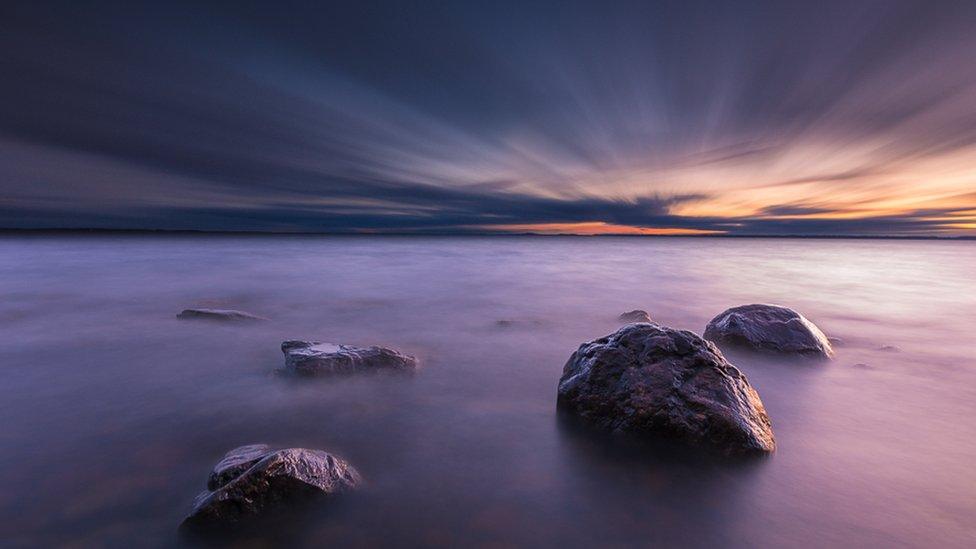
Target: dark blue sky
x,y
771,117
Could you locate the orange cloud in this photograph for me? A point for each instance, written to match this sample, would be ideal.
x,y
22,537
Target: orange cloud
x,y
592,228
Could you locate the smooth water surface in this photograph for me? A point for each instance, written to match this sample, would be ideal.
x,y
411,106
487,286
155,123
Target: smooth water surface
x,y
113,411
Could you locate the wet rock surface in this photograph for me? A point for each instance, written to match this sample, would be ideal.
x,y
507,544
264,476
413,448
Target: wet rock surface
x,y
660,382
768,328
636,315
220,315
312,358
254,480
236,462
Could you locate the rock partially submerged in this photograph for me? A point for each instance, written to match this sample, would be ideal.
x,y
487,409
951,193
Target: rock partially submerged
x,y
313,358
513,322
636,315
253,480
660,382
222,315
769,328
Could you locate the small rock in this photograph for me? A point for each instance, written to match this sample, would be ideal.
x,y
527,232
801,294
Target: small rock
x,y
768,328
657,381
313,358
636,315
863,366
274,480
223,315
835,341
889,349
509,323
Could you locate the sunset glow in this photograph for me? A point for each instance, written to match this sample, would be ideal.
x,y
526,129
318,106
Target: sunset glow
x,y
593,228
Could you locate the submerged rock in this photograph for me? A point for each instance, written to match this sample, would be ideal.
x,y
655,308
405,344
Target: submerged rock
x,y
253,480
657,381
636,315
511,323
769,328
223,315
313,358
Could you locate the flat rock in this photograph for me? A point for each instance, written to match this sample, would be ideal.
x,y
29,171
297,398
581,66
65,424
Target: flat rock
x,y
253,480
768,328
222,315
636,315
313,358
656,381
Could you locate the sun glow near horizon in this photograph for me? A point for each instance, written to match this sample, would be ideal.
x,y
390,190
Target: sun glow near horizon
x,y
593,228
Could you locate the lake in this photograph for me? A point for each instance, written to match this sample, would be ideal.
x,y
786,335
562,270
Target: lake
x,y
114,410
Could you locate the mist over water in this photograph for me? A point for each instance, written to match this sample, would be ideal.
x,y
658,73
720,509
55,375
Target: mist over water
x,y
114,411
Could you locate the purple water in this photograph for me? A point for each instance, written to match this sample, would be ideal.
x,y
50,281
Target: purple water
x,y
113,411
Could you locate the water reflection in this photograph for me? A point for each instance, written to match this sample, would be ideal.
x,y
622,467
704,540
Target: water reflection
x,y
663,488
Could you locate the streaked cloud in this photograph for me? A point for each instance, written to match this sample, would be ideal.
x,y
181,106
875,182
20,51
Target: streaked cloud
x,y
637,118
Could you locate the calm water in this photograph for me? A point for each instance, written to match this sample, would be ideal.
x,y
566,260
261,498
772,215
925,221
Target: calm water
x,y
113,411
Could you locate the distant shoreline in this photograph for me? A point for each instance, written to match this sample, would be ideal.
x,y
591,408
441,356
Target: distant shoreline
x,y
195,232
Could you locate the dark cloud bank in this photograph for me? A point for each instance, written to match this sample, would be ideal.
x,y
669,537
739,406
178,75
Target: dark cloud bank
x,y
413,117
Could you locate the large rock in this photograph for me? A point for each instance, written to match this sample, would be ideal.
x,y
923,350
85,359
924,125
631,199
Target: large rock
x,y
253,480
636,315
313,358
769,328
657,381
222,315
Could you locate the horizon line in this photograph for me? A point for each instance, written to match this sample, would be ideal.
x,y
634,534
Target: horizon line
x,y
253,232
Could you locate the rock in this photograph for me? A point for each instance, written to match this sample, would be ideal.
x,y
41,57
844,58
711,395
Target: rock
x,y
314,358
510,323
236,462
223,315
769,328
657,381
889,349
274,480
636,315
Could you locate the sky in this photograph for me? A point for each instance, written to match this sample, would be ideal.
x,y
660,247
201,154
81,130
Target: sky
x,y
852,117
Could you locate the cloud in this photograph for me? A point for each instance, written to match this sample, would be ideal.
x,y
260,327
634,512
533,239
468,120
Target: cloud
x,y
794,210
348,117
